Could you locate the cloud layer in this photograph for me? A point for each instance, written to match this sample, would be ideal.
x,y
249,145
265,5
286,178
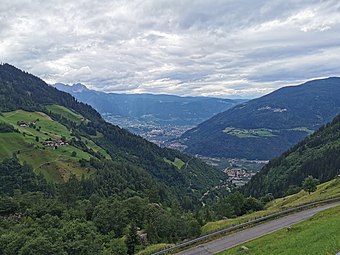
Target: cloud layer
x,y
225,48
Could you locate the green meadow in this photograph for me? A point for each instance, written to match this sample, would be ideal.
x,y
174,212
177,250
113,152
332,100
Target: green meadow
x,y
66,113
177,162
248,133
56,165
260,132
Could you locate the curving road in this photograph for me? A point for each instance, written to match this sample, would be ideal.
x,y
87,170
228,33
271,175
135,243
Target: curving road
x,y
235,239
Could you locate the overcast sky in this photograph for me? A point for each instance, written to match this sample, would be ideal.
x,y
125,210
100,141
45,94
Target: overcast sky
x,y
240,48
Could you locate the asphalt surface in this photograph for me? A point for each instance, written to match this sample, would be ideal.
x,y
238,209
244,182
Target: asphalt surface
x,y
240,237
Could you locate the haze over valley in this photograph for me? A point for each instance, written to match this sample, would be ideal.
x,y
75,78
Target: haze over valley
x,y
157,118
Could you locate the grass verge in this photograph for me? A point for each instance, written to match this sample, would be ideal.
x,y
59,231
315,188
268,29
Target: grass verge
x,y
326,190
154,248
317,235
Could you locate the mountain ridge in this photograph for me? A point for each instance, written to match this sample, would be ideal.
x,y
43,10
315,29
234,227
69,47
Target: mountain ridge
x,y
265,127
164,107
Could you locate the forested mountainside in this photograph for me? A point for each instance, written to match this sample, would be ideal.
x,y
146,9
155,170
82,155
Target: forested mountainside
x,y
317,155
37,217
116,160
264,128
70,183
162,109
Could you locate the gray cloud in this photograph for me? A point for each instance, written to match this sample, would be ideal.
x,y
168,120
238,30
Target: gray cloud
x,y
223,48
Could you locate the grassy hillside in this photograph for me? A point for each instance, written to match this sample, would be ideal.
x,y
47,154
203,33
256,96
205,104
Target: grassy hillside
x,y
66,113
326,190
317,155
316,236
52,128
28,143
264,128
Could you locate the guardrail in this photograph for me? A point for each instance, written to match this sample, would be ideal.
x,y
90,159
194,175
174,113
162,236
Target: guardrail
x,y
224,231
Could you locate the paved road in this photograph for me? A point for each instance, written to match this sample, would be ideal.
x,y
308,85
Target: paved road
x,y
235,239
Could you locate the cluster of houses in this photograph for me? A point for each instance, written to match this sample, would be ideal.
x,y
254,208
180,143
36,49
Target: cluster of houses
x,y
238,176
237,172
26,124
55,143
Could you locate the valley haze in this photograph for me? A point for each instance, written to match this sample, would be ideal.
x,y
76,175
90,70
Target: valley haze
x,y
158,118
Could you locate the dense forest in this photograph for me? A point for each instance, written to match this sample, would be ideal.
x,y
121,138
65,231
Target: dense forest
x,y
40,218
37,217
317,155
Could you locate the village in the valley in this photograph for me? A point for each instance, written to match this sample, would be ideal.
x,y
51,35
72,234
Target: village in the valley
x,y
239,176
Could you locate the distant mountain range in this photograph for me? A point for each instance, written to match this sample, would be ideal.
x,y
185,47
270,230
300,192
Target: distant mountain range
x,y
263,128
160,109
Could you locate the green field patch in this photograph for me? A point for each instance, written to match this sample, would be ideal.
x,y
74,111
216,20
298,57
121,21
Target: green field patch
x,y
92,145
303,129
60,170
325,190
45,127
12,142
249,133
66,151
317,235
154,248
177,162
37,157
98,135
56,165
66,113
